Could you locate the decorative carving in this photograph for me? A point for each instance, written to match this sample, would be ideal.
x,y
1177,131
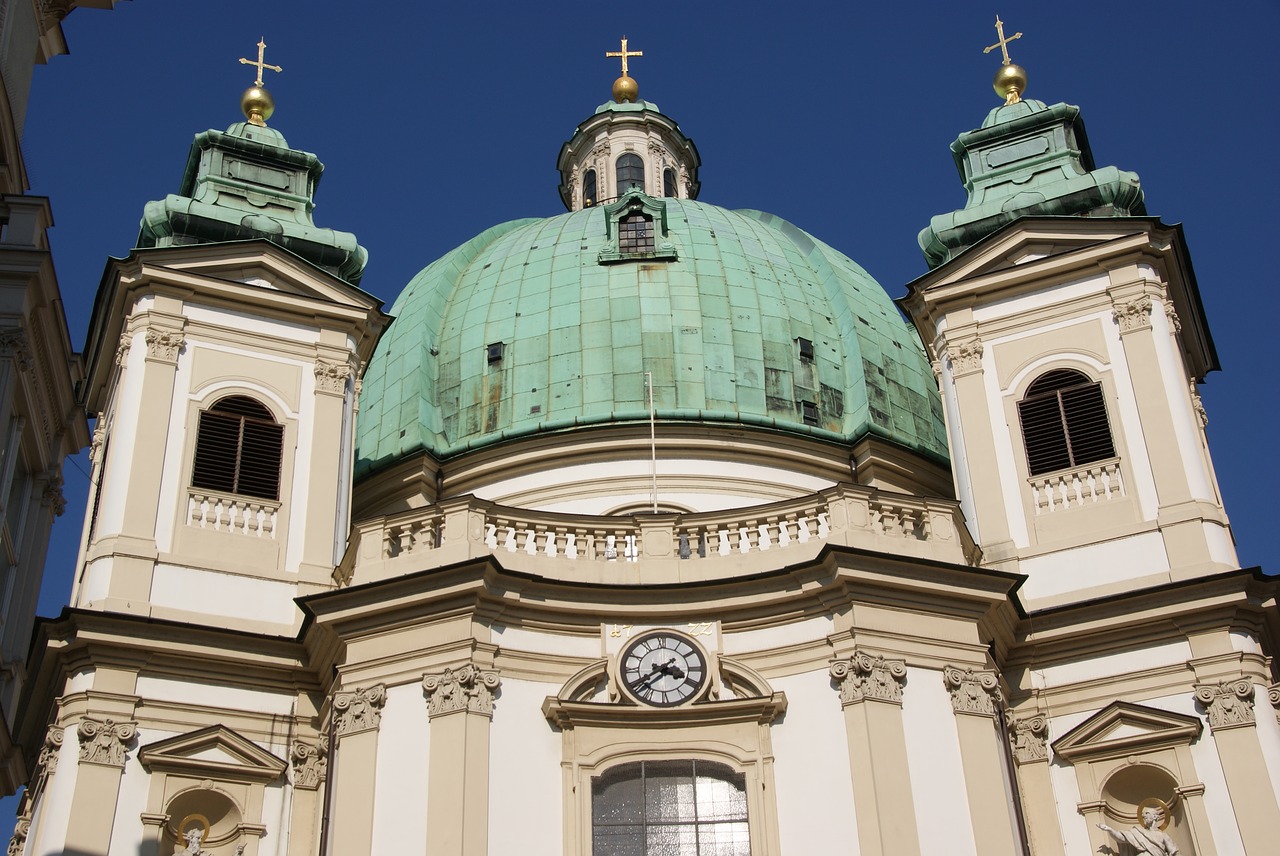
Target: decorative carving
x,y
99,438
1273,695
52,496
13,344
1172,314
47,763
1198,405
105,741
469,688
1149,838
1028,736
863,677
358,710
164,345
972,691
1133,314
1227,703
18,842
965,356
310,763
332,377
122,349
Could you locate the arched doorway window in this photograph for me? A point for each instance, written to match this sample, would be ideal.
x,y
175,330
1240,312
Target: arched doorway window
x,y
1064,422
692,807
238,449
668,182
630,173
589,188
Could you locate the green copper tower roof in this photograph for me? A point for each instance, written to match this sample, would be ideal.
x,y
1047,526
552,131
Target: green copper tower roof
x,y
538,326
1027,159
246,183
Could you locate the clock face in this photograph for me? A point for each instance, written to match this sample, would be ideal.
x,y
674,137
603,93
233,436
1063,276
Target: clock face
x,y
662,669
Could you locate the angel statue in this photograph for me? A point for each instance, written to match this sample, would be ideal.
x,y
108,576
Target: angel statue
x,y
1149,839
194,837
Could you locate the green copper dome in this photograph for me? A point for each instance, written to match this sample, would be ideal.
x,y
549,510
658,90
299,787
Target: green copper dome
x,y
536,326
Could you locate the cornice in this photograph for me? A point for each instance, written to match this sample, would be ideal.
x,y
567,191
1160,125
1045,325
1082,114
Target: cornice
x,y
579,714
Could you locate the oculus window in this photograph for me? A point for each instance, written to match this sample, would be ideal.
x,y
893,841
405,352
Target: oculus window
x,y
669,808
1064,422
238,449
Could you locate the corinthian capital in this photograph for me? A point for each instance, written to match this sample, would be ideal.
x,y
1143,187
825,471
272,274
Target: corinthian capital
x,y
105,741
332,377
164,345
972,690
469,688
1029,736
310,763
965,356
358,710
1132,314
863,677
1227,703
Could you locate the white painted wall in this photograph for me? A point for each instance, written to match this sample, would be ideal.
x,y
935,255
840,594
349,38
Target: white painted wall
x,y
558,644
1094,564
135,782
404,744
1217,799
526,796
792,633
49,821
814,788
937,772
214,593
213,695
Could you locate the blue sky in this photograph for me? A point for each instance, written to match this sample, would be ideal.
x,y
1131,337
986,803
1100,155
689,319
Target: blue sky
x,y
436,121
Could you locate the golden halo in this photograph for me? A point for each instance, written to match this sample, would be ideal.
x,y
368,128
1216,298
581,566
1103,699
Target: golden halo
x,y
204,823
1154,802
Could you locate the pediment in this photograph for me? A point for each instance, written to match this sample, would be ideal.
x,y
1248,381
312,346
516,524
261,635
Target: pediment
x,y
1123,728
215,752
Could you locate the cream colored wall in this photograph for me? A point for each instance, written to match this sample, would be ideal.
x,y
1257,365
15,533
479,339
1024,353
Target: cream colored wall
x,y
937,772
814,788
56,803
226,599
526,808
404,745
126,832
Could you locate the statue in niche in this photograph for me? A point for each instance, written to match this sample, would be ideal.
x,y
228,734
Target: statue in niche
x,y
194,838
1148,839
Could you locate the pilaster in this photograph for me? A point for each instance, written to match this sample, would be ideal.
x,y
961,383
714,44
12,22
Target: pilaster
x,y
329,451
104,746
460,708
309,760
871,694
1029,734
356,717
975,698
1228,706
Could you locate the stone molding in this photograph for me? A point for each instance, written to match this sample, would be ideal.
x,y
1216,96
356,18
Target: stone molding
x,y
1133,315
310,763
1029,735
331,378
469,688
358,710
122,349
1273,695
13,344
974,691
864,677
18,842
1197,404
47,762
965,356
1227,704
1172,314
163,345
99,439
105,741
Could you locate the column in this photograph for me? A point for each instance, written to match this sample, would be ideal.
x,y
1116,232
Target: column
x,y
974,694
1228,705
1031,754
356,717
310,762
324,472
104,744
460,707
871,694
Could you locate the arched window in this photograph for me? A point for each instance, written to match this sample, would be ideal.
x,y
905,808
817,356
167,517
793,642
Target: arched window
x,y
668,182
697,808
238,449
635,234
1064,422
630,173
589,188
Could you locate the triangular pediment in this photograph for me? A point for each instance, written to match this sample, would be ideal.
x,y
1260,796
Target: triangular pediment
x,y
1122,728
215,752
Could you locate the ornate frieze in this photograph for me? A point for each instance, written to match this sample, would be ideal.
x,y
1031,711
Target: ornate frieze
x,y
1227,703
52,496
469,688
863,677
13,344
358,710
164,345
1029,737
18,842
332,377
310,763
966,356
972,690
1133,314
105,741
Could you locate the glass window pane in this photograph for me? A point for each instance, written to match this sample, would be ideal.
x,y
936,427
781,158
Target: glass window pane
x,y
720,800
724,839
671,841
668,791
617,841
618,796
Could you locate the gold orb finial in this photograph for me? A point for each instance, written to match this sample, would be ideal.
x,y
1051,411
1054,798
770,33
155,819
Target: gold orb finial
x,y
257,103
1011,80
625,89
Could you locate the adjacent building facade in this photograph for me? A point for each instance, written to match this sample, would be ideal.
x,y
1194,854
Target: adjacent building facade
x,y
653,527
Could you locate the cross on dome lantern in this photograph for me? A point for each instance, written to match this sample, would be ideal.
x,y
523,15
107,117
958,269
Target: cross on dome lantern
x,y
625,87
257,103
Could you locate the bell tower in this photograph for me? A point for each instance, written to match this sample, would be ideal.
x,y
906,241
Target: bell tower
x,y
224,358
1068,337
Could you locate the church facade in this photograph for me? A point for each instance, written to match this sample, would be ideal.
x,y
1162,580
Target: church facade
x,y
654,528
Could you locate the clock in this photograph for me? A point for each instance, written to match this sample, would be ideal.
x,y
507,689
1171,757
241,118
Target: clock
x,y
662,668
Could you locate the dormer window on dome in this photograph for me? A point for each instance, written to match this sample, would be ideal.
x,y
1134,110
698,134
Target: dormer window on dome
x,y
636,229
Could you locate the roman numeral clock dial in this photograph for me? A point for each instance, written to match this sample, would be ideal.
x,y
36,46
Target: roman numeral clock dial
x,y
662,668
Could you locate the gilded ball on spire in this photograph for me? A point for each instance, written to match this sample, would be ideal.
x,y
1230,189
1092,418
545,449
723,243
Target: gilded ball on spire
x,y
625,89
1010,82
258,105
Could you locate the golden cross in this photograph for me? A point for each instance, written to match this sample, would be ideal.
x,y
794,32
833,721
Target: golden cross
x,y
624,53
1003,41
262,48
